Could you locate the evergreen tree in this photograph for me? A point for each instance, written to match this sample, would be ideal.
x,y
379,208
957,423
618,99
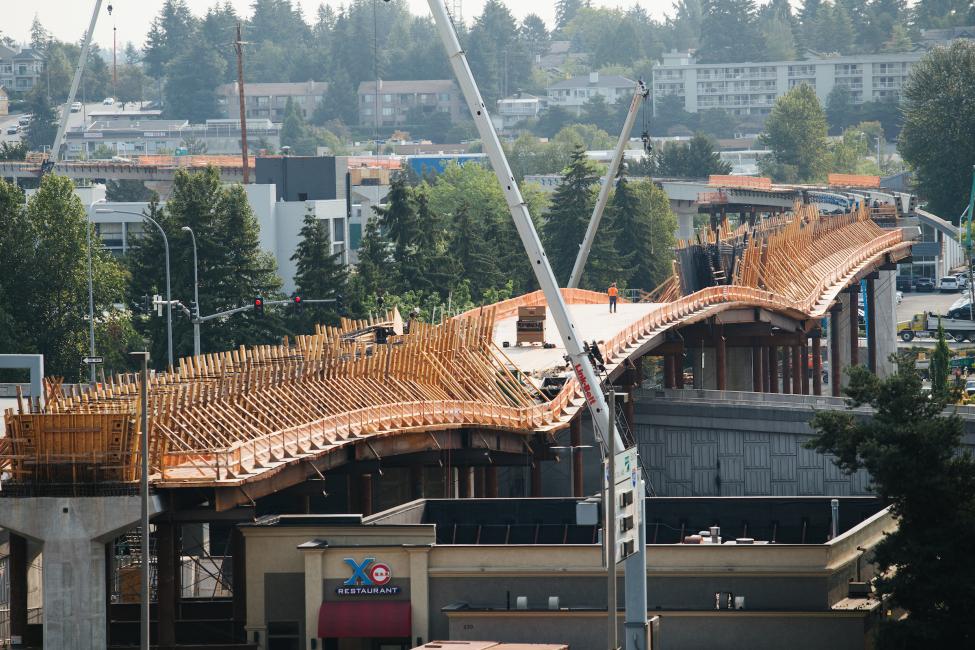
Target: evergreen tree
x,y
39,36
940,367
169,35
320,275
374,270
567,219
435,271
43,126
472,253
911,446
192,80
400,227
535,35
565,11
296,133
728,32
685,26
646,227
232,268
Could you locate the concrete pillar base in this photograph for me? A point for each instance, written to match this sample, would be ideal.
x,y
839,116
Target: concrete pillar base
x,y
73,532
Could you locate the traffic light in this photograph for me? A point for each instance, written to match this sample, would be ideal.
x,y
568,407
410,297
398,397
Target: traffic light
x,y
147,304
297,302
258,306
194,309
338,303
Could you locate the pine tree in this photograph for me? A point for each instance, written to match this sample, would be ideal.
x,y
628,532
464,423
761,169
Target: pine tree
x,y
374,270
940,366
473,254
434,270
320,274
565,11
43,126
399,223
295,132
566,222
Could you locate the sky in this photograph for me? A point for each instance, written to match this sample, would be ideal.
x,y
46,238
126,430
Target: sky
x,y
68,19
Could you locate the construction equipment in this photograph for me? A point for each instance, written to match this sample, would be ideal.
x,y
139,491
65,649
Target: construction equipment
x,y
589,382
927,325
641,94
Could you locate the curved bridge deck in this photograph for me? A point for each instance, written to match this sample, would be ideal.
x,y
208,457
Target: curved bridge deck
x,y
283,413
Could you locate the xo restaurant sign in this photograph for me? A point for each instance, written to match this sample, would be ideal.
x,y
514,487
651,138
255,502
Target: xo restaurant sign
x,y
369,578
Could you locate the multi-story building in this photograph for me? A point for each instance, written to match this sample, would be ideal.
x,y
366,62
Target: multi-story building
x,y
28,66
514,110
752,88
126,135
4,102
572,94
268,100
7,67
397,98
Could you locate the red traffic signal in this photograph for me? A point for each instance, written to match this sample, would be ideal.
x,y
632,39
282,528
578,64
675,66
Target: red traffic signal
x,y
297,302
259,306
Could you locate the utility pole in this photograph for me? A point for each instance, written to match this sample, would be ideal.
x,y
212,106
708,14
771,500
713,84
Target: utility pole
x,y
143,359
114,63
239,49
609,531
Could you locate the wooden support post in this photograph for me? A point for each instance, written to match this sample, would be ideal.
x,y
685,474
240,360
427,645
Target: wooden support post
x,y
804,357
491,481
720,351
786,369
773,369
365,494
575,440
871,312
764,362
817,361
416,481
166,567
796,353
854,324
756,369
835,369
18,585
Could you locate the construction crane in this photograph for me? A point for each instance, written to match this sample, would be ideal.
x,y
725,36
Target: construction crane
x,y
639,97
48,164
579,359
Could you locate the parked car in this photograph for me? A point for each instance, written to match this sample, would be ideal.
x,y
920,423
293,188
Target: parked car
x,y
900,297
13,129
960,312
108,101
924,284
970,387
904,282
948,284
24,120
76,107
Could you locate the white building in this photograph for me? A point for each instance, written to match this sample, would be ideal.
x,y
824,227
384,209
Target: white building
x,y
514,110
572,94
751,88
280,224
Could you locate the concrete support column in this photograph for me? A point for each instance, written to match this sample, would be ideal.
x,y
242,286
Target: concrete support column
x,y
670,377
871,309
167,564
365,494
464,482
757,373
536,474
839,344
478,482
738,369
854,316
679,369
787,369
798,369
239,582
18,585
416,481
491,481
73,532
420,593
817,363
804,357
720,360
575,440
773,369
885,297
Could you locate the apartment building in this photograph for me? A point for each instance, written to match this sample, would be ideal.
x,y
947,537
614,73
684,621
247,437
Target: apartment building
x,y
572,94
126,136
268,100
752,88
28,65
397,98
515,110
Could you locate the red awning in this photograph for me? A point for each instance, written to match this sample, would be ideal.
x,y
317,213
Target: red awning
x,y
358,620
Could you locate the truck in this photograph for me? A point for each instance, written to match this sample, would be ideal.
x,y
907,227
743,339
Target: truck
x,y
927,325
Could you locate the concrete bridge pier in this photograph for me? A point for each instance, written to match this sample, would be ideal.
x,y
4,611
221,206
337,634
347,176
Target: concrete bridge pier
x,y
739,368
885,319
839,343
73,532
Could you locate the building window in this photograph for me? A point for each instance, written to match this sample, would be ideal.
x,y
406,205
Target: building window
x,y
387,111
387,99
355,235
111,234
338,230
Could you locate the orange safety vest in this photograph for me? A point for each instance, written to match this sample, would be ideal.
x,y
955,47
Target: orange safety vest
x,y
613,292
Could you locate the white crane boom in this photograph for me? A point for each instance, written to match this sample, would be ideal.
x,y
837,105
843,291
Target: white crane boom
x,y
581,364
597,213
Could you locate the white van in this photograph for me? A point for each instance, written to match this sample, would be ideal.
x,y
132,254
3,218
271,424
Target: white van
x,y
948,283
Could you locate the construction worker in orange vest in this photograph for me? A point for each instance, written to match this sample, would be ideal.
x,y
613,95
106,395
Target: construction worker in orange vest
x,y
613,295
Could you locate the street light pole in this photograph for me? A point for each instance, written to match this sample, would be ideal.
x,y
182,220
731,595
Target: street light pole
x,y
91,294
144,494
196,294
169,296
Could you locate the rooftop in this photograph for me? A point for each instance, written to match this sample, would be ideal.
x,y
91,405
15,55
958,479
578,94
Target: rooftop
x,y
410,86
279,89
601,81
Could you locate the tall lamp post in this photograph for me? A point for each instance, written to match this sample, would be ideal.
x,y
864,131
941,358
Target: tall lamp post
x,y
196,296
91,293
572,452
143,360
169,296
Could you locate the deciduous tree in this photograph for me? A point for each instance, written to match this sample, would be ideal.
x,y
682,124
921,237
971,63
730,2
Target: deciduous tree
x,y
796,133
